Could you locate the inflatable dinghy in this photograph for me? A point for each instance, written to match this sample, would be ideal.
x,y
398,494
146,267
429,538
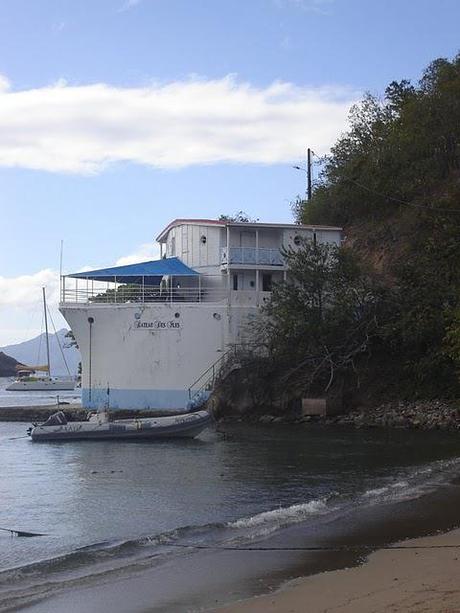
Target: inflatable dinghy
x,y
100,426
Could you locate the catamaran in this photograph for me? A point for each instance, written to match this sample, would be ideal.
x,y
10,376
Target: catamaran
x,y
27,380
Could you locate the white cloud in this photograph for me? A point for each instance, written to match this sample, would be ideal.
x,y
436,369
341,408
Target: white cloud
x,y
129,4
26,289
314,6
21,308
58,26
83,128
145,252
4,83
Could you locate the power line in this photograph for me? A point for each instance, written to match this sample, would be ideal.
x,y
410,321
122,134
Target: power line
x,y
397,200
404,202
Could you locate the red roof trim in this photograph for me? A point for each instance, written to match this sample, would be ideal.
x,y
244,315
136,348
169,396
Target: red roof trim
x,y
225,222
205,222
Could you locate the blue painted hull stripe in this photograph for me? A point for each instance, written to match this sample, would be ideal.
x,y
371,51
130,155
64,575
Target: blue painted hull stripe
x,y
135,399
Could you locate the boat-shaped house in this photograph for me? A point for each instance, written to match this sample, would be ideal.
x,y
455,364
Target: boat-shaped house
x,y
153,335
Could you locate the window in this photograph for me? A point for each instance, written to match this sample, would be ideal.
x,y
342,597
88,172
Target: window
x,y
235,282
266,283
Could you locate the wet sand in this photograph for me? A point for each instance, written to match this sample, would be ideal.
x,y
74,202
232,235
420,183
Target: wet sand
x,y
420,575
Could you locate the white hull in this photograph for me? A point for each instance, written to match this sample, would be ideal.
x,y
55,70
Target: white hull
x,y
39,386
177,426
129,366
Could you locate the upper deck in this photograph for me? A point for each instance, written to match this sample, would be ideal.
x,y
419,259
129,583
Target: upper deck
x,y
218,245
202,261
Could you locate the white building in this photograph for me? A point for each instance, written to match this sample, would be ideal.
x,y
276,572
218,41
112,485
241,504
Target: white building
x,y
150,333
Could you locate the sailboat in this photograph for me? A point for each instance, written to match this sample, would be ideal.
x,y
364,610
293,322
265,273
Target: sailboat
x,y
27,379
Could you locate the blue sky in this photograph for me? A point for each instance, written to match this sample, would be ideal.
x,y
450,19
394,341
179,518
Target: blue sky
x,y
120,115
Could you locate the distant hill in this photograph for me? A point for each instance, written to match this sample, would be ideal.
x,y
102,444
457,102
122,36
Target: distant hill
x,y
33,353
7,365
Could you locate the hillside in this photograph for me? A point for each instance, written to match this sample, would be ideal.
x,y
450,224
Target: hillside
x,y
393,183
7,365
33,352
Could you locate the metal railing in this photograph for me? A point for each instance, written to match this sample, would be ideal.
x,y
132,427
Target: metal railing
x,y
125,294
251,255
222,366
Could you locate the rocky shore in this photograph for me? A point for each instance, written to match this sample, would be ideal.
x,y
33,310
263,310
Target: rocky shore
x,y
421,415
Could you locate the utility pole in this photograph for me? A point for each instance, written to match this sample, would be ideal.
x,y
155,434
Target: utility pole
x,y
308,173
308,170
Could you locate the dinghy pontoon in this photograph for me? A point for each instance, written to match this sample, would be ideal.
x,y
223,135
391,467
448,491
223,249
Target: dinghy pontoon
x,y
101,426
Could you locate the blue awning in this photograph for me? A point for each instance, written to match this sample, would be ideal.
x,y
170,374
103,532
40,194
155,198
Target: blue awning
x,y
149,273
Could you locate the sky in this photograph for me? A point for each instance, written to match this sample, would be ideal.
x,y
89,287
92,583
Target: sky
x,y
117,116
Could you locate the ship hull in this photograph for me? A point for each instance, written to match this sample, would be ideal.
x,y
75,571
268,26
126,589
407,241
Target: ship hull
x,y
148,356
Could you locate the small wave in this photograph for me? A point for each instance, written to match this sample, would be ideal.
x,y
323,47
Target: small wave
x,y
283,515
414,482
87,555
379,491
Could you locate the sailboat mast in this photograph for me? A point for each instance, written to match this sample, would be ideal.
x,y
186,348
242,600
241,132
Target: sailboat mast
x,y
46,331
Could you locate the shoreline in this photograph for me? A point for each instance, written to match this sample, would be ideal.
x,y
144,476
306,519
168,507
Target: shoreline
x,y
309,566
422,415
410,576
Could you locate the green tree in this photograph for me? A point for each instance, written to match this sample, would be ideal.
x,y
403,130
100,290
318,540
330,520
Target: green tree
x,y
240,217
323,318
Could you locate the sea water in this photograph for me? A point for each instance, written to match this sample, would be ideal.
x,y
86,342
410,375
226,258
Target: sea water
x,y
115,507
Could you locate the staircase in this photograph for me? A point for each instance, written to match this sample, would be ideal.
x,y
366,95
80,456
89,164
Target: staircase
x,y
201,389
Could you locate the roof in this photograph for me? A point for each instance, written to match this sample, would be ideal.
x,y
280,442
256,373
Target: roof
x,y
196,222
246,224
150,273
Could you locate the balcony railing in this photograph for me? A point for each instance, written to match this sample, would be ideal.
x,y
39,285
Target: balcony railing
x,y
139,294
251,256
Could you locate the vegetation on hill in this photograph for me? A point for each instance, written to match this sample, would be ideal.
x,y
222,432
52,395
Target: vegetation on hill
x,y
393,182
379,317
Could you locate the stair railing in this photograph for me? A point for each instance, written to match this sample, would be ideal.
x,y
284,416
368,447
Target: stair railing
x,y
207,379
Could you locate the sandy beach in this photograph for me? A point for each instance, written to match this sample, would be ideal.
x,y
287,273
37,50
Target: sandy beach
x,y
419,575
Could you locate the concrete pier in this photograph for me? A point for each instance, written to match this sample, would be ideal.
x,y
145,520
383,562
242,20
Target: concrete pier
x,y
73,412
